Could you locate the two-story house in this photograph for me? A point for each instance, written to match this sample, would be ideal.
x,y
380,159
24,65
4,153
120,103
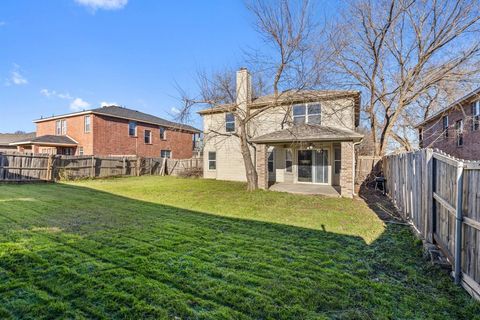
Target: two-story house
x,y
454,129
305,138
112,131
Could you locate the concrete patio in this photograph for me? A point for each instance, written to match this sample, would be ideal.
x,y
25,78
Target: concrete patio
x,y
306,188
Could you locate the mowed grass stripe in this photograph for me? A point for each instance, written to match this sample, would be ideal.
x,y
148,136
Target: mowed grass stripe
x,y
145,248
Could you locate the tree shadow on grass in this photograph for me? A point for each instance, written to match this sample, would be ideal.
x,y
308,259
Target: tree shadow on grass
x,y
78,252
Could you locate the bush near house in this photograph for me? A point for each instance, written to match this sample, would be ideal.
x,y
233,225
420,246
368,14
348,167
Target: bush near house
x,y
165,247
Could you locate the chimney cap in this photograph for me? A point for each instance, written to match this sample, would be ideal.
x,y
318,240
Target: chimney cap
x,y
243,69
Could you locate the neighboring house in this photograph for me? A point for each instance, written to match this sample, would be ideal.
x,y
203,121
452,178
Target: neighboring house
x,y
112,131
308,138
455,129
7,138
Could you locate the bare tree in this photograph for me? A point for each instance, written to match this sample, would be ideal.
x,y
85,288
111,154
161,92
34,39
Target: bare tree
x,y
287,65
403,54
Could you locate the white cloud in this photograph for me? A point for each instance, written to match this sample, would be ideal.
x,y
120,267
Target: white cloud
x,y
106,104
103,4
79,104
16,77
175,110
52,93
2,23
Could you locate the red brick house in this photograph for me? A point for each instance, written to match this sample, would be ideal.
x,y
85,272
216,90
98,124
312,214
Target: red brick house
x,y
455,129
112,131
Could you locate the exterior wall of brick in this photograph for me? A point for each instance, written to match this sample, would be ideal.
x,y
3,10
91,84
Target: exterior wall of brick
x,y
346,172
109,136
433,136
262,166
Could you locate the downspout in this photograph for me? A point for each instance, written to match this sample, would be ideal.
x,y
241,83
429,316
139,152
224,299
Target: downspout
x,y
354,164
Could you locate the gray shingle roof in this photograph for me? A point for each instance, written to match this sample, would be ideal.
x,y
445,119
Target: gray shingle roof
x,y
121,112
308,133
130,114
7,138
49,139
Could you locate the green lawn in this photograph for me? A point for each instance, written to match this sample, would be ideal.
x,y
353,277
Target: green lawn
x,y
161,247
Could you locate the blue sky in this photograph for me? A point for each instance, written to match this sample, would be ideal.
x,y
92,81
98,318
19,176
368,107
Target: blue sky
x,y
63,55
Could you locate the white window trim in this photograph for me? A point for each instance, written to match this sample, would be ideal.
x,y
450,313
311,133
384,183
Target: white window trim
x,y
208,161
171,154
85,123
459,131
306,114
164,133
234,123
150,137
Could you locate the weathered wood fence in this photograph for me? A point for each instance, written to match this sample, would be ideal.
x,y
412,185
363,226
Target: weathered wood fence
x,y
18,167
176,166
440,195
366,167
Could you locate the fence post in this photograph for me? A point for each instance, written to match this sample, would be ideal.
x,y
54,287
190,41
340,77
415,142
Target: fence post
x,y
124,167
50,167
428,179
458,224
92,168
139,165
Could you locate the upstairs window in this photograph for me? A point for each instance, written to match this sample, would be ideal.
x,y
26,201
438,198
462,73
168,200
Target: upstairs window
x,y
163,133
132,128
61,127
459,132
148,137
475,115
445,126
165,154
87,124
229,122
307,113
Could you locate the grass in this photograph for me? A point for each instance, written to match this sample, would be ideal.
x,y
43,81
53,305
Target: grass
x,y
161,247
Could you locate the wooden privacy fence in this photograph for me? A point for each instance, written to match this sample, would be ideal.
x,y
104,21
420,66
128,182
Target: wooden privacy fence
x,y
176,167
440,195
366,167
20,167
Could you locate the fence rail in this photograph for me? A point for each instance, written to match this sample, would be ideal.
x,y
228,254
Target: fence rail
x,y
440,195
18,167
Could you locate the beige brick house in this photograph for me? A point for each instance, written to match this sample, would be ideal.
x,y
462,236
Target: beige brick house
x,y
306,141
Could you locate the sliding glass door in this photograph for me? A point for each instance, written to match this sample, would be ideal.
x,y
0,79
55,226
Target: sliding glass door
x,y
313,166
321,166
305,165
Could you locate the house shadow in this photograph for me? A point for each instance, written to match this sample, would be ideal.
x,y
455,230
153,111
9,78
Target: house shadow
x,y
71,251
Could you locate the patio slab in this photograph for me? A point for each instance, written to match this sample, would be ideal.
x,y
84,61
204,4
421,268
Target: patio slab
x,y
305,188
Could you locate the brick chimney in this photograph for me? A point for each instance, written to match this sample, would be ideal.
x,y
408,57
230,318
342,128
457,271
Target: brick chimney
x,y
244,88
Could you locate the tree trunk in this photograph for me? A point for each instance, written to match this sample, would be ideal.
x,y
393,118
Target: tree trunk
x,y
250,170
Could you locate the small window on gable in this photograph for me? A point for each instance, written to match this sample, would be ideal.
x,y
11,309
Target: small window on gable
x,y
229,122
163,133
475,115
132,128
445,126
459,132
87,124
212,160
148,136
